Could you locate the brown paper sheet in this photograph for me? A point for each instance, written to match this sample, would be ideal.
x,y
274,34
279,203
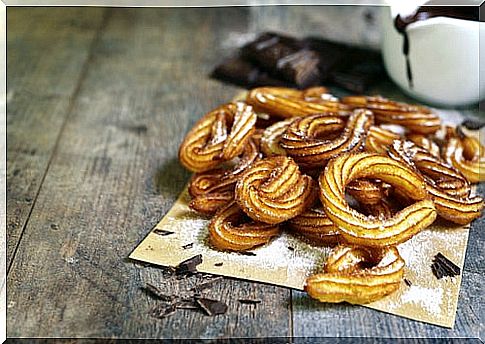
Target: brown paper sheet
x,y
287,261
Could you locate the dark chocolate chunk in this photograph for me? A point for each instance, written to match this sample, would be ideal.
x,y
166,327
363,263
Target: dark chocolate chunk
x,y
237,71
284,57
408,282
291,248
211,307
162,232
158,293
249,301
246,253
473,123
219,264
187,246
443,267
189,265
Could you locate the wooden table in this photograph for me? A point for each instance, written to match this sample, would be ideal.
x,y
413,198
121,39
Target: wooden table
x,y
98,103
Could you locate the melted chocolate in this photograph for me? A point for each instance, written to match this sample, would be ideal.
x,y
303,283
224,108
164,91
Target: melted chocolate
x,y
427,12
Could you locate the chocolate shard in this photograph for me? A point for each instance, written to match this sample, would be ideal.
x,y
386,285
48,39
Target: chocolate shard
x,y
443,267
158,293
408,282
219,264
162,232
187,246
211,307
189,265
237,71
246,253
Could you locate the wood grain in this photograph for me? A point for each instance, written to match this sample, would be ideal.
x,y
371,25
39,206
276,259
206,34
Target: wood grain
x,y
114,174
47,50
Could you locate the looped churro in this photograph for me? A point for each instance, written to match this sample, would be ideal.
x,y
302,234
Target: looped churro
x,y
306,139
425,142
452,204
209,142
273,190
315,225
415,118
466,154
346,279
270,141
230,230
213,189
379,139
357,228
283,102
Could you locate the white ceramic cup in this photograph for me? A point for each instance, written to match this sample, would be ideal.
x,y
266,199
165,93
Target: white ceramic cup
x,y
444,55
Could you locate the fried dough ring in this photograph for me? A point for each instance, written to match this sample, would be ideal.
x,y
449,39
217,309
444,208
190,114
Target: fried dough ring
x,y
305,141
417,119
271,138
229,231
213,189
273,190
315,225
425,142
379,139
359,229
209,143
465,154
451,204
284,102
344,279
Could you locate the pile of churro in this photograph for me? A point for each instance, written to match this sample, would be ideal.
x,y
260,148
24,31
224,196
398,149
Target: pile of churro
x,y
361,174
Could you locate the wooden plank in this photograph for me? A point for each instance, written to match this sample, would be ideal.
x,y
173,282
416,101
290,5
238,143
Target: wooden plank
x,y
47,49
115,174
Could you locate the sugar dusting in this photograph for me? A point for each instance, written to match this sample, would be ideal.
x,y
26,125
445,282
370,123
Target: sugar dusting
x,y
428,298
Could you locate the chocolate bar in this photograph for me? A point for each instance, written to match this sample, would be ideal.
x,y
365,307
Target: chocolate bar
x,y
285,58
277,60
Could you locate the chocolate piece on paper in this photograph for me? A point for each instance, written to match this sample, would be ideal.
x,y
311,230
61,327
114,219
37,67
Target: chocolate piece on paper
x,y
443,267
189,265
249,301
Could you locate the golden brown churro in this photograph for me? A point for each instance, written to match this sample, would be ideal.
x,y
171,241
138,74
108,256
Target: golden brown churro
x,y
314,224
273,190
465,154
306,139
346,280
282,102
359,229
417,119
217,137
379,140
230,230
452,203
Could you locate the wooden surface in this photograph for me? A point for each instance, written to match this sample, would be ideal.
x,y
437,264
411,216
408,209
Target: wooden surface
x,y
98,102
